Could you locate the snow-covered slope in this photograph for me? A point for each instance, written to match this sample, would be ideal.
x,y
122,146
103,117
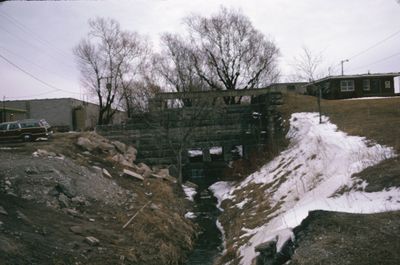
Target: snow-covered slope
x,y
308,176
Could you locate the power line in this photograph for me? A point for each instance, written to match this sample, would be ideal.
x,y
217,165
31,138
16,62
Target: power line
x,y
36,78
28,31
374,45
378,61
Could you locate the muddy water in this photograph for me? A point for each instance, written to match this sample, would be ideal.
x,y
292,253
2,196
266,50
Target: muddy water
x,y
209,243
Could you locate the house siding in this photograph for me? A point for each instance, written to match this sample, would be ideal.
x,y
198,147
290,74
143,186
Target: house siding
x,y
331,88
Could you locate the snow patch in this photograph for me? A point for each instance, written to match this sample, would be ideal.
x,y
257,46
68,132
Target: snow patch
x,y
190,215
221,191
189,192
319,161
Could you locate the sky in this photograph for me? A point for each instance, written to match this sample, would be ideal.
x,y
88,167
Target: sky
x,y
37,37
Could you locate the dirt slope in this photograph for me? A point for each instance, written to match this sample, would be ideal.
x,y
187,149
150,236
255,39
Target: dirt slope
x,y
52,204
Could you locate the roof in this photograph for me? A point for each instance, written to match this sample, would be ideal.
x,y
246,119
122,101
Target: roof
x,y
6,109
357,76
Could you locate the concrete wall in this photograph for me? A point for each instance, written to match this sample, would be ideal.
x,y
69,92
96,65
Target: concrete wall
x,y
63,113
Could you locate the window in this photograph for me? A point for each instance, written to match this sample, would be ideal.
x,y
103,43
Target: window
x,y
13,126
346,85
387,84
3,127
366,85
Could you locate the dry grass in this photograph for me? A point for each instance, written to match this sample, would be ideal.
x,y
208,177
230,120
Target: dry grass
x,y
377,119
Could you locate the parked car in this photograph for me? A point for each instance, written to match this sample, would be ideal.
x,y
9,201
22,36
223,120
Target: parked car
x,y
26,130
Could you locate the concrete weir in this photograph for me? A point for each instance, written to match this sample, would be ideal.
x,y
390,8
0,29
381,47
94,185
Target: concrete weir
x,y
179,122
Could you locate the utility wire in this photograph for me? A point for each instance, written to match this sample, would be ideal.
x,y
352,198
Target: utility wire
x,y
36,78
378,61
22,40
30,32
374,45
32,63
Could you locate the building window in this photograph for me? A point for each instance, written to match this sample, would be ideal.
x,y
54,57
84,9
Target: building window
x,y
366,85
387,84
346,85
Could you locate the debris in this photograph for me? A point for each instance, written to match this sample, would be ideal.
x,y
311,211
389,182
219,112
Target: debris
x,y
121,147
144,170
77,229
91,220
133,174
130,154
85,143
66,188
31,171
91,240
23,217
72,212
63,200
133,217
106,173
3,211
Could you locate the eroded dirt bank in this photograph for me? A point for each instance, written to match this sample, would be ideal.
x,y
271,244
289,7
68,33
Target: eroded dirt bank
x,y
67,204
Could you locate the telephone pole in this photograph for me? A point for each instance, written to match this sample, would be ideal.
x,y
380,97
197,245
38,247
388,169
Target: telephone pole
x,y
342,62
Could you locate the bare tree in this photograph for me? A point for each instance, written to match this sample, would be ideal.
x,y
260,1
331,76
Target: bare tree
x,y
109,60
229,53
308,65
175,65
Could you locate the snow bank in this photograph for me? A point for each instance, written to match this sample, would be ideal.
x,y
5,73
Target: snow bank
x,y
319,161
221,191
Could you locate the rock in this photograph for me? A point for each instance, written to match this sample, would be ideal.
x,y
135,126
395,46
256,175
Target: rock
x,y
86,144
163,172
190,185
144,170
23,217
121,147
7,183
156,176
77,229
79,200
31,171
169,178
91,220
1,223
130,154
106,147
133,174
63,200
120,159
91,240
106,173
154,207
72,212
66,189
3,211
40,153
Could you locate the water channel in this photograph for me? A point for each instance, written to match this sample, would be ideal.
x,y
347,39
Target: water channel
x,y
208,245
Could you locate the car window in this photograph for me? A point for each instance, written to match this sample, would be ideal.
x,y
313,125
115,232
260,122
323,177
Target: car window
x,y
3,127
29,124
13,126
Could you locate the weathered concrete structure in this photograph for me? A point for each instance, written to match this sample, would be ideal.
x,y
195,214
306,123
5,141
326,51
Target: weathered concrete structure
x,y
171,128
63,114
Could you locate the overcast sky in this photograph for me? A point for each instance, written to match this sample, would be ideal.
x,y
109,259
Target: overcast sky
x,y
38,37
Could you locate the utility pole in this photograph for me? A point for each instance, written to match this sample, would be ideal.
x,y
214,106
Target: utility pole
x,y
342,62
3,118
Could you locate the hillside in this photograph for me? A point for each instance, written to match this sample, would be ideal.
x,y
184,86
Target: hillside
x,y
68,201
321,169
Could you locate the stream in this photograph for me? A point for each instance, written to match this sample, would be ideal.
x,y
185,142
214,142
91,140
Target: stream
x,y
208,245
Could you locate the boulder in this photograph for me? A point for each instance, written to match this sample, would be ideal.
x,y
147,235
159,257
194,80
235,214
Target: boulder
x,y
86,144
130,154
121,147
144,170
